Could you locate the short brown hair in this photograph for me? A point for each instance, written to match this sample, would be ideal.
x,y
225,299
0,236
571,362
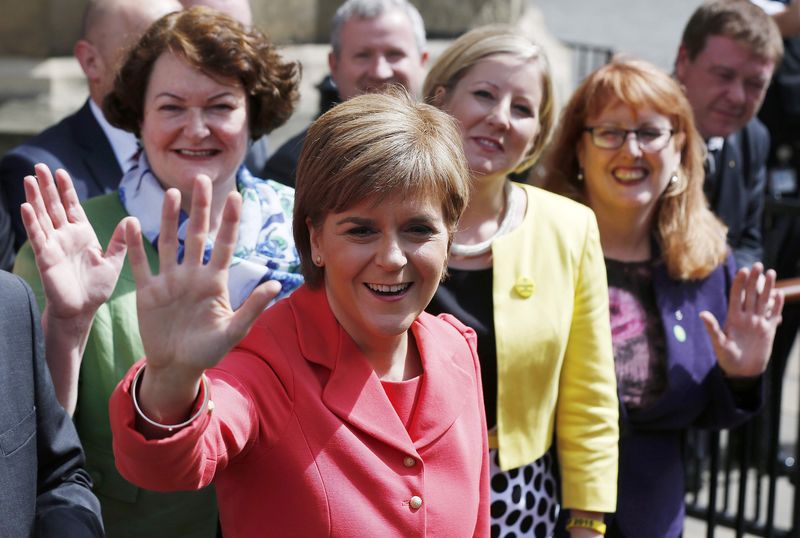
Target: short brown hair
x,y
219,46
377,146
472,47
691,238
740,20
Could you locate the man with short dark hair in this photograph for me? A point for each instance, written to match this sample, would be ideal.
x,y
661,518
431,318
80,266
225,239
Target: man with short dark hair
x,y
95,153
374,43
728,52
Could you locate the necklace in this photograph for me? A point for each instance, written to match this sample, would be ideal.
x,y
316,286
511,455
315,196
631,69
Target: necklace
x,y
513,207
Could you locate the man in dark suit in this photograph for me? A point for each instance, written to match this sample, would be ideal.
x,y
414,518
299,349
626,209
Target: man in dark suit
x,y
84,143
44,488
374,43
728,52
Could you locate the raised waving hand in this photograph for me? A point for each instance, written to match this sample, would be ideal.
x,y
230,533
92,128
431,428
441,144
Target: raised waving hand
x,y
77,275
185,318
744,344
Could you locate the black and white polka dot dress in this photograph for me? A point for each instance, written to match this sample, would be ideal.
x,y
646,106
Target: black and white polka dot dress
x,y
524,500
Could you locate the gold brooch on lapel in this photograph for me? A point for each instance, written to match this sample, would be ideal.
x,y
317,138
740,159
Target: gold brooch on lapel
x,y
524,287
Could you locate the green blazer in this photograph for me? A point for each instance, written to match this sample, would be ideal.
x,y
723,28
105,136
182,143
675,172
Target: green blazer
x,y
114,345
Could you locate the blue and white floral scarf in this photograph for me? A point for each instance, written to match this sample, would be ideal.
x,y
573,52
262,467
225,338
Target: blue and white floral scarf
x,y
265,246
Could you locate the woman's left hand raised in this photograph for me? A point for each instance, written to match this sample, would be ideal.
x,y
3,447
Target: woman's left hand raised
x,y
77,274
185,319
744,345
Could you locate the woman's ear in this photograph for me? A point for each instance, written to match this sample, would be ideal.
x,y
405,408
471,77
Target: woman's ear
x,y
679,140
314,240
439,95
580,151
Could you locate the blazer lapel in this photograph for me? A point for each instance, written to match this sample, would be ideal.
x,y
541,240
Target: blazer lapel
x,y
353,391
446,385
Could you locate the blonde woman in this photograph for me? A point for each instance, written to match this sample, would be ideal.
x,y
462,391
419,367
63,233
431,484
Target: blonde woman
x,y
526,272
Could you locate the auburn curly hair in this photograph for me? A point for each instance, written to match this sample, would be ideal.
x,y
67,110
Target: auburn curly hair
x,y
220,47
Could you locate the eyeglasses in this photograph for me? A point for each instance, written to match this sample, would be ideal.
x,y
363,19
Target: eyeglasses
x,y
649,139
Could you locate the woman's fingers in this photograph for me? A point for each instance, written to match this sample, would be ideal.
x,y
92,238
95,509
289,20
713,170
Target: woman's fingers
x,y
737,293
118,245
36,235
168,233
776,307
52,198
765,294
199,215
136,253
69,198
252,307
33,195
752,287
225,242
715,332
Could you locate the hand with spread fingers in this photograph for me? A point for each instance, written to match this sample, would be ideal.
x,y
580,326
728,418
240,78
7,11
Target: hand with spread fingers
x,y
743,346
185,318
77,275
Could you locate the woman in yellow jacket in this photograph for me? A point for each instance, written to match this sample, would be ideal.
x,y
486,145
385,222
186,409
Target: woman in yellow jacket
x,y
527,272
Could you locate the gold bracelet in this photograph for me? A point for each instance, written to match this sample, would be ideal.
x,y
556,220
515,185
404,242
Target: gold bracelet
x,y
170,427
587,523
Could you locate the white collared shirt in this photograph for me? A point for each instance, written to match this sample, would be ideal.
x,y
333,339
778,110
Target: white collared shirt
x,y
122,142
715,143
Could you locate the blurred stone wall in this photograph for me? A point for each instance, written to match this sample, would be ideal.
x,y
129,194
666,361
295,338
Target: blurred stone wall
x,y
42,28
40,81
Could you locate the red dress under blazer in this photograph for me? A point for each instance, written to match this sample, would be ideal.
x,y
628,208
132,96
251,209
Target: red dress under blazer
x,y
303,440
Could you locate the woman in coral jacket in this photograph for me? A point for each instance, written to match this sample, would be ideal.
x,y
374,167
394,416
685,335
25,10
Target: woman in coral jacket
x,y
627,147
526,272
346,410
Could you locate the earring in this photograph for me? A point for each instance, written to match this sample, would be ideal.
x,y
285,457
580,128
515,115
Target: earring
x,y
579,177
673,179
318,261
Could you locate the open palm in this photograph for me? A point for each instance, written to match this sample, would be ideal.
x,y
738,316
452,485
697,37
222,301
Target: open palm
x,y
185,318
77,275
744,345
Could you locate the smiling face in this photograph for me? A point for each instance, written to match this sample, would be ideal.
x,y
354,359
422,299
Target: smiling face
x,y
193,124
496,104
627,179
382,264
725,84
377,52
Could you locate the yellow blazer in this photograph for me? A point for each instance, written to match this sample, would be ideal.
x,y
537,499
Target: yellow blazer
x,y
555,364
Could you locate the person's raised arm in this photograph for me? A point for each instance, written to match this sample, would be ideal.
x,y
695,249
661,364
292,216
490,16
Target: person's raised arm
x,y
743,346
77,275
185,318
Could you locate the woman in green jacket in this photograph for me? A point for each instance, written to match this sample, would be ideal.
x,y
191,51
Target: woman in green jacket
x,y
195,90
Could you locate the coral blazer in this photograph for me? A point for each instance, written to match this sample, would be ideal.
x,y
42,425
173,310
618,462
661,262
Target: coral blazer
x,y
303,440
